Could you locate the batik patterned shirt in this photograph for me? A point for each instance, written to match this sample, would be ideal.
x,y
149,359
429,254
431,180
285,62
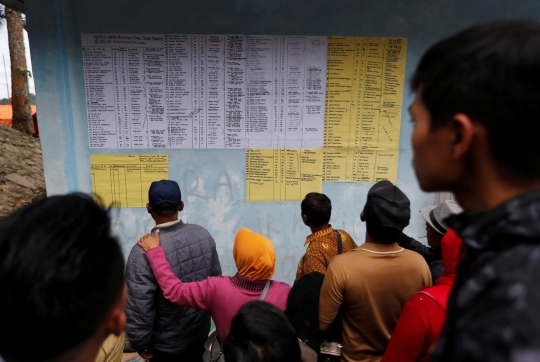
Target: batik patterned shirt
x,y
322,247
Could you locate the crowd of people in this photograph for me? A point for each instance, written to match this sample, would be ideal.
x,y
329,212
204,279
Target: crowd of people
x,y
470,295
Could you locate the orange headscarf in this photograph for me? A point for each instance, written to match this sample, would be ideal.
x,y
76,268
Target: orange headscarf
x,y
254,255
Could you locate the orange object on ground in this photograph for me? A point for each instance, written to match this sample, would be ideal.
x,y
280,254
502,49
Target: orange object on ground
x,y
6,113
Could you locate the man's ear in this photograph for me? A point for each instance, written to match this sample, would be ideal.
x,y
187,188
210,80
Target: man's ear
x,y
363,216
305,219
463,130
149,208
117,323
117,320
181,206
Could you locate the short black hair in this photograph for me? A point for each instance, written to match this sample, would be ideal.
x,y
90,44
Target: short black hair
x,y
260,332
317,208
165,209
61,271
382,234
491,73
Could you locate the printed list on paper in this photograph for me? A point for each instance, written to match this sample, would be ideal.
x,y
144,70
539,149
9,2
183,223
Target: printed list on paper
x,y
204,91
123,180
282,174
363,108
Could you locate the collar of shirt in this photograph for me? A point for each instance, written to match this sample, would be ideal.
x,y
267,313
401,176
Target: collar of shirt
x,y
165,224
380,248
318,234
498,228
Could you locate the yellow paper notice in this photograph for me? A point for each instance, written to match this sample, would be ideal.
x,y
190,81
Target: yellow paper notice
x,y
346,165
123,180
364,92
282,174
363,108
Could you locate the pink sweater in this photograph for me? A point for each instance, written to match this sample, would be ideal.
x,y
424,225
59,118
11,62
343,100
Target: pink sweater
x,y
222,297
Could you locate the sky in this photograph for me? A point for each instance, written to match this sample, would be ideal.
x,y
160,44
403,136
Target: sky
x,y
4,51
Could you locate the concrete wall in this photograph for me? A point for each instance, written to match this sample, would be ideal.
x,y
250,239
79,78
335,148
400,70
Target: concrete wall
x,y
213,181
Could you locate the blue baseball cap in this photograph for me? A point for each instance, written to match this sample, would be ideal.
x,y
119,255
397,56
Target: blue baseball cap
x,y
164,191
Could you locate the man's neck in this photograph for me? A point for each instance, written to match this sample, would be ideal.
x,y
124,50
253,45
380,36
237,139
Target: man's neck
x,y
164,219
481,195
85,352
79,356
369,239
318,228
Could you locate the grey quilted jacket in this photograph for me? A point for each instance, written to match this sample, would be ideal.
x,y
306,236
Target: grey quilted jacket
x,y
154,323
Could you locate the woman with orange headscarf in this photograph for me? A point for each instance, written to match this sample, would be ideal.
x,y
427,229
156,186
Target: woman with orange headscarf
x,y
222,297
423,316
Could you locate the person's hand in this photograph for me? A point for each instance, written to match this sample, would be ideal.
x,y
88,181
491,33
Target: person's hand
x,y
146,354
149,241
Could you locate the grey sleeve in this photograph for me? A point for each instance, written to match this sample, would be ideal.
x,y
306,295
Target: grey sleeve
x,y
429,253
140,309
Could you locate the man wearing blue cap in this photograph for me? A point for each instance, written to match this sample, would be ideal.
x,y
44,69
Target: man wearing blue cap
x,y
156,328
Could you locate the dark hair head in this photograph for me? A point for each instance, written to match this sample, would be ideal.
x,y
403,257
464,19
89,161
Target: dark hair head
x,y
387,212
317,208
491,73
260,332
60,273
382,234
165,209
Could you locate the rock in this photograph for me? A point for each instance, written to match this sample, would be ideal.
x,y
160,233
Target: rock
x,y
37,170
10,148
21,170
18,179
25,172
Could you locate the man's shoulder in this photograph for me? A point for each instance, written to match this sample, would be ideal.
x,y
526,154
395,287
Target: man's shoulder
x,y
344,233
342,261
527,251
348,241
413,257
320,244
195,228
513,278
191,239
136,261
187,230
136,254
519,263
413,261
406,256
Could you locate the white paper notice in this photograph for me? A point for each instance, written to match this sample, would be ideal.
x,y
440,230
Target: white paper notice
x,y
205,91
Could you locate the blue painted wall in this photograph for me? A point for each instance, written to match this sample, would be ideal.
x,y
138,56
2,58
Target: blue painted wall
x,y
213,181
